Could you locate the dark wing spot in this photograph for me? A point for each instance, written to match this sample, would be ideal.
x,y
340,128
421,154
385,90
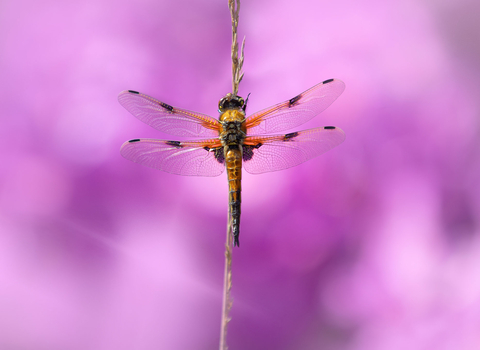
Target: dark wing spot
x,y
290,136
217,153
248,151
329,127
327,81
177,144
134,140
133,92
219,156
292,102
167,107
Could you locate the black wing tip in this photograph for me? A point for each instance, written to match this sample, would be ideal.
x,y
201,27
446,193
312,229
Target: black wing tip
x,y
133,92
329,127
236,242
327,81
134,140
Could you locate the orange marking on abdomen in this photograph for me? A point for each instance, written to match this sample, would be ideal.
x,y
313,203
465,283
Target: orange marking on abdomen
x,y
233,162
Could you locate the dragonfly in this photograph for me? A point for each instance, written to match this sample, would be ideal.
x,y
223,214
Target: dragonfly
x,y
233,140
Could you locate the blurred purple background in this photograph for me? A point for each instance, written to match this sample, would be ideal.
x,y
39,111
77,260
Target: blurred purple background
x,y
374,245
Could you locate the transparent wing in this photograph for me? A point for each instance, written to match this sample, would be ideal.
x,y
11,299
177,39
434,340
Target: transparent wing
x,y
296,111
168,119
191,158
262,154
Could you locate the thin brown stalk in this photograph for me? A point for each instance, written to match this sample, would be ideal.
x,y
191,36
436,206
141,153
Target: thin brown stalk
x,y
227,286
237,75
237,62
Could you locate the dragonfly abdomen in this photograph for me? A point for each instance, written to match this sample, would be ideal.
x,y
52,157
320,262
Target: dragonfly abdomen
x,y
233,163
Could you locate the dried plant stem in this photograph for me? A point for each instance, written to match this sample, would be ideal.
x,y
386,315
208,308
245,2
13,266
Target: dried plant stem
x,y
237,75
227,286
237,63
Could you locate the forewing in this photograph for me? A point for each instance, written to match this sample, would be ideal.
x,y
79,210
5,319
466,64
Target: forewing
x,y
191,158
168,119
296,111
262,154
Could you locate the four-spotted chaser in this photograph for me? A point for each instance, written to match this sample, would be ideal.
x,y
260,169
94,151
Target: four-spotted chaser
x,y
233,140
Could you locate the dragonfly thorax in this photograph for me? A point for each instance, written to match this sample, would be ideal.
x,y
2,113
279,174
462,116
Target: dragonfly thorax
x,y
233,127
232,133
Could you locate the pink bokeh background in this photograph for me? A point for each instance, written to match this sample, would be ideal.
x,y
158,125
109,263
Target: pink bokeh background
x,y
374,245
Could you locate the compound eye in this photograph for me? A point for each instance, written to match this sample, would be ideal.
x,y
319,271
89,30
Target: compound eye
x,y
221,104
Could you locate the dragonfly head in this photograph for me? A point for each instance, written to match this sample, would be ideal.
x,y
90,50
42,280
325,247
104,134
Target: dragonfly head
x,y
230,102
